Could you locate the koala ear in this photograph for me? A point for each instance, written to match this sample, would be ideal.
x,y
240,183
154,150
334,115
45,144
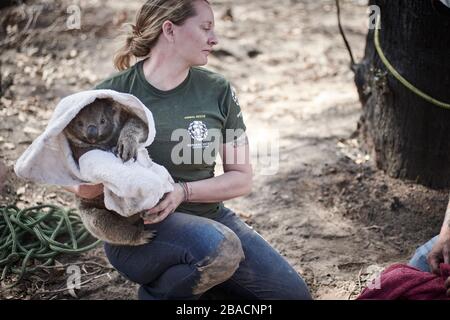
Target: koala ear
x,y
118,108
108,106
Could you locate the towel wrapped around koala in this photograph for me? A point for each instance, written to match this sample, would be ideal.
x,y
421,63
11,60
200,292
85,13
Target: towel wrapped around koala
x,y
129,187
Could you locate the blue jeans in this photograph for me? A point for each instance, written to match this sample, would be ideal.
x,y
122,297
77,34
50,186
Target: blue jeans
x,y
191,255
419,260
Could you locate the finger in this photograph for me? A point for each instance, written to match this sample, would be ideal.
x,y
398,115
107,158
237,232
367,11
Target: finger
x,y
446,253
163,203
162,215
147,216
158,217
154,210
166,212
159,207
151,219
433,261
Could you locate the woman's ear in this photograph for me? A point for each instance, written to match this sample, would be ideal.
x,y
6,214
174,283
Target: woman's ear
x,y
167,30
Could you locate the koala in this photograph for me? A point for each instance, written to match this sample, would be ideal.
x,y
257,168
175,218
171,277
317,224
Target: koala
x,y
106,125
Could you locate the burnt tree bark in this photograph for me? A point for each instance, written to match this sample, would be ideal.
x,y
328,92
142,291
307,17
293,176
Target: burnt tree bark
x,y
410,136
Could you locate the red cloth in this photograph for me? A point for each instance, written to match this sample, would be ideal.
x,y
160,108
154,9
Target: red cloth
x,y
402,282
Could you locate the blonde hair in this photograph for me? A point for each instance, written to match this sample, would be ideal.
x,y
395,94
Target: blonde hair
x,y
148,27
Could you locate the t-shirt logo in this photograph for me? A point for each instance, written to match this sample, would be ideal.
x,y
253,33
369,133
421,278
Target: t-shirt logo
x,y
198,130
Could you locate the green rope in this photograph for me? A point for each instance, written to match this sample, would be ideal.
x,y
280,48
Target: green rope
x,y
398,76
39,233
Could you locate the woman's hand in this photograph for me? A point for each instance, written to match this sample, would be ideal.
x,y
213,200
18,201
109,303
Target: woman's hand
x,y
86,191
166,206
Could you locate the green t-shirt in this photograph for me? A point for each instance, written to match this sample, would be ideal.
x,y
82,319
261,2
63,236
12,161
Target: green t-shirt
x,y
190,121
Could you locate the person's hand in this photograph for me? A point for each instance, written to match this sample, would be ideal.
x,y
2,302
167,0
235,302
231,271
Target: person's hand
x,y
166,206
87,191
439,253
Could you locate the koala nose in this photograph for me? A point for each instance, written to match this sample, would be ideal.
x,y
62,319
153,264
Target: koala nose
x,y
92,132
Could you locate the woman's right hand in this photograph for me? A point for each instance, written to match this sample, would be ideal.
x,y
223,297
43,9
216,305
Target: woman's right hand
x,y
440,252
87,191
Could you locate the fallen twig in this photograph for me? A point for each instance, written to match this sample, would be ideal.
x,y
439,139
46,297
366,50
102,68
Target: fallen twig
x,y
67,288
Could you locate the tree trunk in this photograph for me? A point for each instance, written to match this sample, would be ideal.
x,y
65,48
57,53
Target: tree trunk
x,y
410,136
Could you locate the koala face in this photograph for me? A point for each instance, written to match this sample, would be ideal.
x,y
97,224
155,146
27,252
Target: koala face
x,y
94,123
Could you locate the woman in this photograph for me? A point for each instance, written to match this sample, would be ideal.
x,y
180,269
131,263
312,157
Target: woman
x,y
200,244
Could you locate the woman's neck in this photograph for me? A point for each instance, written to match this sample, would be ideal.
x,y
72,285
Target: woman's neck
x,y
164,74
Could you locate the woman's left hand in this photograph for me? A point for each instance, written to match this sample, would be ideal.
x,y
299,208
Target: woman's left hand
x,y
166,206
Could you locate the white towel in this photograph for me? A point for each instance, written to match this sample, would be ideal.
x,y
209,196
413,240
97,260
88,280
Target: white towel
x,y
129,187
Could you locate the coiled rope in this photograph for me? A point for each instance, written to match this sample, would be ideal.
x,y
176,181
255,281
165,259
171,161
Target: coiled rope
x,y
398,76
39,233
386,62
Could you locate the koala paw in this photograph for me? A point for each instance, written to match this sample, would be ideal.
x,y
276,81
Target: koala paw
x,y
126,148
145,236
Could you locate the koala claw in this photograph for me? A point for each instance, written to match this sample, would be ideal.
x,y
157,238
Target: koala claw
x,y
114,150
145,237
127,149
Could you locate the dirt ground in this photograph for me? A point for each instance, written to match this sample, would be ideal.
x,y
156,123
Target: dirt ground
x,y
323,205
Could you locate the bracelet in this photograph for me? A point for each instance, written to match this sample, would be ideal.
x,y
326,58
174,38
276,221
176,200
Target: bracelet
x,y
185,191
189,189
